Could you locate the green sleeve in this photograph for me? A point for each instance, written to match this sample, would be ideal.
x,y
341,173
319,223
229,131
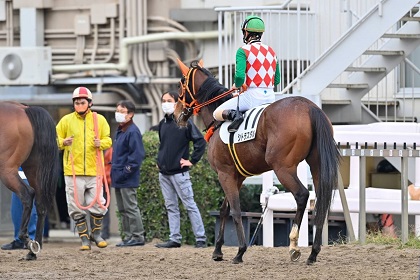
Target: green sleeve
x,y
277,75
240,67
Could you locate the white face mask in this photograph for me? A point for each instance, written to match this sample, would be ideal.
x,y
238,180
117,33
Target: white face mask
x,y
120,117
168,107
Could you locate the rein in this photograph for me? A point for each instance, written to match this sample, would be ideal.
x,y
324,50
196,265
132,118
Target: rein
x,y
99,177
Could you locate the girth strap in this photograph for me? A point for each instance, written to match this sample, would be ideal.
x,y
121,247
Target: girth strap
x,y
236,160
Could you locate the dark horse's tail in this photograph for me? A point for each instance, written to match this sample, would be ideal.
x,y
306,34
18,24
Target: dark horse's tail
x,y
329,160
46,149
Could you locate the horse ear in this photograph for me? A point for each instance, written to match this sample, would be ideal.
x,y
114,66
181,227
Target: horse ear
x,y
184,68
201,63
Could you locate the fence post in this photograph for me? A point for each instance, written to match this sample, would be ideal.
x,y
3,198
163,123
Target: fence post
x,y
404,200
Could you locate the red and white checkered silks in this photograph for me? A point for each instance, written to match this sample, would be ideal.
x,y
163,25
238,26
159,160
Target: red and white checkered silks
x,y
261,63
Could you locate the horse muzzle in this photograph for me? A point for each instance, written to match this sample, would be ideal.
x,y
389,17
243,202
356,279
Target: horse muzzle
x,y
184,116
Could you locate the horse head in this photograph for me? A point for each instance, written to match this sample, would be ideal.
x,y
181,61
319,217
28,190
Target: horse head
x,y
187,101
198,89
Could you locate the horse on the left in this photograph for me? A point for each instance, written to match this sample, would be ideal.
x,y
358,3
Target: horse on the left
x,y
28,139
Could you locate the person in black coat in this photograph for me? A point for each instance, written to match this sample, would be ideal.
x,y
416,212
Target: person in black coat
x,y
174,163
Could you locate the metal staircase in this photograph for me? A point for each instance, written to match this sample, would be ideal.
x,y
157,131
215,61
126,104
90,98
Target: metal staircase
x,y
338,80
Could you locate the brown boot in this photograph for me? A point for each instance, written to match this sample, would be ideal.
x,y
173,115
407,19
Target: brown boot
x,y
96,225
82,228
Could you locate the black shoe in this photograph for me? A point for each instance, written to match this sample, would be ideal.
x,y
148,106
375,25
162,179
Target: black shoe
x,y
134,242
233,127
122,243
200,244
14,245
237,118
168,244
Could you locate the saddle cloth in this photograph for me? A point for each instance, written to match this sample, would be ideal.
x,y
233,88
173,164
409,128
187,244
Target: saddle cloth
x,y
248,128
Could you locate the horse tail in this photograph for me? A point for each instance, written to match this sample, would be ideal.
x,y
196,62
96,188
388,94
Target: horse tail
x,y
46,149
328,162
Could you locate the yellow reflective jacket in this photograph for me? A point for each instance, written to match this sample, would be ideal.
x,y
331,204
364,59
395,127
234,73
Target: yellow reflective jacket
x,y
83,147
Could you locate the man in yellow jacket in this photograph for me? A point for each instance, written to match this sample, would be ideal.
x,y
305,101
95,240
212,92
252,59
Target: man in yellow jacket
x,y
76,136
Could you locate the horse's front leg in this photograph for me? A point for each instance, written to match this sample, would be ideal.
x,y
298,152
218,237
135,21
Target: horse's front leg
x,y
224,215
237,218
301,198
231,186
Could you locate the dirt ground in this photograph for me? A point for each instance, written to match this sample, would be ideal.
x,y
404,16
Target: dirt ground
x,y
63,260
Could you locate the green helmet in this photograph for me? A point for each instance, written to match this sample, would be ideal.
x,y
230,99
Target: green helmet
x,y
253,24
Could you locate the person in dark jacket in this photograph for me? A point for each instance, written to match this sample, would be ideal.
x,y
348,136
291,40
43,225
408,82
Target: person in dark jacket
x,y
127,157
174,177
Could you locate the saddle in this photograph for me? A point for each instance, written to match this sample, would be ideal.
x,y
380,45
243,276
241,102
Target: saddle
x,y
248,128
247,131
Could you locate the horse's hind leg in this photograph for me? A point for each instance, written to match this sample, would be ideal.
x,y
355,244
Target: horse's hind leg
x,y
224,215
290,181
316,246
26,194
41,210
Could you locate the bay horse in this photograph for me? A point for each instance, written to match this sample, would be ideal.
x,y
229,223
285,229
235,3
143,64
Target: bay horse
x,y
289,131
28,139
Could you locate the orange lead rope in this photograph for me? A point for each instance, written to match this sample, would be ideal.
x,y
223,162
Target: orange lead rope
x,y
100,175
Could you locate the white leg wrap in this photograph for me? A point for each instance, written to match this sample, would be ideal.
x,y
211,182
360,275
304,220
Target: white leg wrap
x,y
294,236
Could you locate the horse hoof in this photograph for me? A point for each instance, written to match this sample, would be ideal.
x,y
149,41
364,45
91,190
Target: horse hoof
x,y
294,255
30,257
310,261
236,261
218,258
34,246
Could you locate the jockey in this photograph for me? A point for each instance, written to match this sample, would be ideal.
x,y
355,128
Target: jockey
x,y
257,72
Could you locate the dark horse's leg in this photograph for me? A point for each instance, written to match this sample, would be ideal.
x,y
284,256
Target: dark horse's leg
x,y
41,210
237,218
26,195
224,215
231,186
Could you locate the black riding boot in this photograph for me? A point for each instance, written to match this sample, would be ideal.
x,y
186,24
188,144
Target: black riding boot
x,y
96,226
82,228
235,116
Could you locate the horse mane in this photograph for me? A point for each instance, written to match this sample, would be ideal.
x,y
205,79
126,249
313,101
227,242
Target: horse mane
x,y
210,88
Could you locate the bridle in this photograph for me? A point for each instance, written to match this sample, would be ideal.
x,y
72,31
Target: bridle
x,y
187,86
